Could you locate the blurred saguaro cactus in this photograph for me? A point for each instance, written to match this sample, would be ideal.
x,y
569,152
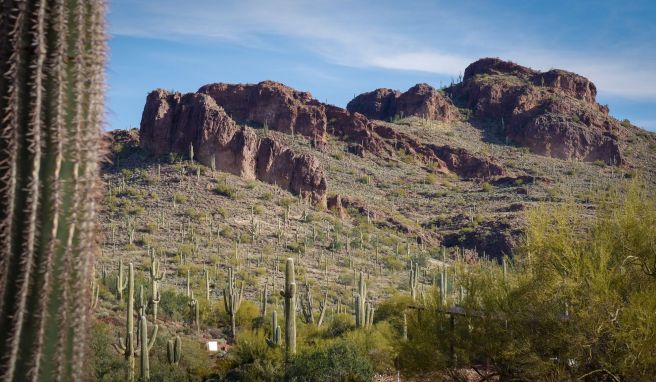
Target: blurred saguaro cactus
x,y
52,58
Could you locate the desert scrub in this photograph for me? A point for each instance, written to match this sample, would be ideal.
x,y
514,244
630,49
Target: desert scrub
x,y
226,190
180,198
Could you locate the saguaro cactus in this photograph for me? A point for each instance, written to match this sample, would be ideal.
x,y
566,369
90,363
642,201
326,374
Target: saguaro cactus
x,y
289,294
145,345
232,299
306,305
360,303
275,339
155,277
174,351
95,291
414,279
405,327
265,294
322,309
52,57
194,312
126,346
121,281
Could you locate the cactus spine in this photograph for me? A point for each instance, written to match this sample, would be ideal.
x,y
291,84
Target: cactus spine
x,y
127,346
360,303
52,59
289,294
155,277
232,299
276,338
174,351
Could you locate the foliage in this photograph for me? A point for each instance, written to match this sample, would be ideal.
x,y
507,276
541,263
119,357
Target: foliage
x,y
337,362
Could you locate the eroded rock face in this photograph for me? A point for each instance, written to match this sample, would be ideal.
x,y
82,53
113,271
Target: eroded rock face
x,y
377,104
553,113
172,121
287,110
278,106
421,100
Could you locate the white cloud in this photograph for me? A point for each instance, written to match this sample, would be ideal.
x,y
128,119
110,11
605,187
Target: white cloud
x,y
351,34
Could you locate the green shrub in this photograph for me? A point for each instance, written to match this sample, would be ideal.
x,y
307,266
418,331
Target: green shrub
x,y
335,363
180,198
173,305
226,190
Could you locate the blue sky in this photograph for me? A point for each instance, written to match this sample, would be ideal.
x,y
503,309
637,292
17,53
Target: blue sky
x,y
336,49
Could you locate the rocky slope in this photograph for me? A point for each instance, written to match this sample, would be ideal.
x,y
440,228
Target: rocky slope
x,y
209,120
396,172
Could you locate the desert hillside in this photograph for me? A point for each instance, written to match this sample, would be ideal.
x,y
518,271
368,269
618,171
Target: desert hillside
x,y
242,176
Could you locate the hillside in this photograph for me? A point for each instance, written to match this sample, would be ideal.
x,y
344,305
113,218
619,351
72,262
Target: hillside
x,y
396,177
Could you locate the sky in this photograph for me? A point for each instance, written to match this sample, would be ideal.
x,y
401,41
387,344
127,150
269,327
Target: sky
x,y
337,49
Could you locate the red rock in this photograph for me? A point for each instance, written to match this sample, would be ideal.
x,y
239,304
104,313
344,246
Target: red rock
x,y
278,106
335,204
421,100
287,110
554,113
171,121
377,104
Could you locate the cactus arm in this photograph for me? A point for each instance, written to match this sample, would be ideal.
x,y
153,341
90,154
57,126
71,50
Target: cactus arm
x,y
153,337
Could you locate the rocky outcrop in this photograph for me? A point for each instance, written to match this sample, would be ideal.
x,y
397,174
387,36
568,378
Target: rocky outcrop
x,y
378,104
553,113
421,100
168,118
171,122
273,104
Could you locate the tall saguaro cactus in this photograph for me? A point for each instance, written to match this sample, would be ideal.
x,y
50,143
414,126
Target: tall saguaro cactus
x,y
289,294
121,281
361,303
414,279
52,57
275,339
232,300
174,350
126,346
145,345
156,275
